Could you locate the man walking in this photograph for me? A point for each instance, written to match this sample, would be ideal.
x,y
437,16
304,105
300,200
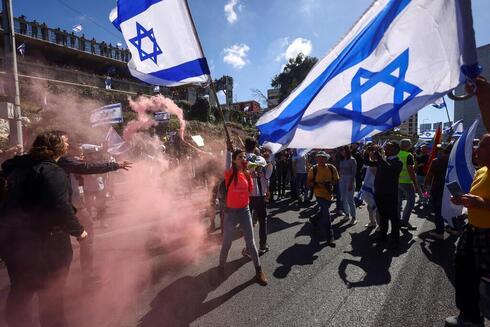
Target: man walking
x,y
322,177
386,192
407,183
473,249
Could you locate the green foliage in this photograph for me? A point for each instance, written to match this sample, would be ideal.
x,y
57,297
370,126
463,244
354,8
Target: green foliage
x,y
293,74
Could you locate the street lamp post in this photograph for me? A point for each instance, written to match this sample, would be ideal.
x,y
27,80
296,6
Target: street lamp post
x,y
10,52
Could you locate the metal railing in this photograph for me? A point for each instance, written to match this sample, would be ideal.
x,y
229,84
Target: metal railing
x,y
42,32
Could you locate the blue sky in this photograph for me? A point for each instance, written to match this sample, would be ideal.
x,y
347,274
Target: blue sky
x,y
249,40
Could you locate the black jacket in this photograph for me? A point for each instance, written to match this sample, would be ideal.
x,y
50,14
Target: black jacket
x,y
36,220
387,175
38,196
74,166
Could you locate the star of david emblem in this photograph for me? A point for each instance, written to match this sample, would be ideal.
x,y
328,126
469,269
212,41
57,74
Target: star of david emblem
x,y
381,118
141,34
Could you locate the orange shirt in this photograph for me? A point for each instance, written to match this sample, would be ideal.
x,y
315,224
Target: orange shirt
x,y
237,195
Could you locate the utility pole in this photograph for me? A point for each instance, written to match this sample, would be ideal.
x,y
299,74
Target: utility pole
x,y
10,48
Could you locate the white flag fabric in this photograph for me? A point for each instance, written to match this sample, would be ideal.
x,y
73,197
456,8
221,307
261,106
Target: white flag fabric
x,y
22,49
401,56
106,115
115,143
456,130
460,168
77,28
164,47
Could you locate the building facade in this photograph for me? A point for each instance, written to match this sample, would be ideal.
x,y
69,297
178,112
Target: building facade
x,y
468,110
247,107
273,96
409,127
425,127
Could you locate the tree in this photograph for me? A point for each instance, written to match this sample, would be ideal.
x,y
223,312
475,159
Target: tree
x,y
293,74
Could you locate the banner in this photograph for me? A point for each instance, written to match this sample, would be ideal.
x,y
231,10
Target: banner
x,y
161,116
106,115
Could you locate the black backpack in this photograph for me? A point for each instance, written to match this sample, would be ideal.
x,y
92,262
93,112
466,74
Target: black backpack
x,y
223,191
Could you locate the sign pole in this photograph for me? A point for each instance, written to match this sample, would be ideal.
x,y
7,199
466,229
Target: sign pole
x,y
10,38
212,86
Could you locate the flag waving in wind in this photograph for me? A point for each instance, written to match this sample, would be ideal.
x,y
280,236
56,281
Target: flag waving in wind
x,y
77,28
164,46
460,169
399,57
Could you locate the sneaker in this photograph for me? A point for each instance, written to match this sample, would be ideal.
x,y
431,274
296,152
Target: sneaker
x,y
263,250
353,221
437,235
331,243
261,278
245,253
370,225
456,321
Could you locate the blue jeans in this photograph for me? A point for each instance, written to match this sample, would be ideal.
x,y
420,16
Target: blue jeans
x,y
301,185
347,196
406,191
325,223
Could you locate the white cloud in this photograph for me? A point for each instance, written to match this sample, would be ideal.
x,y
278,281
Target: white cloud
x,y
231,8
299,45
236,55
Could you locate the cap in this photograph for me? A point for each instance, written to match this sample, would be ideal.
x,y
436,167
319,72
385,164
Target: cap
x,y
323,154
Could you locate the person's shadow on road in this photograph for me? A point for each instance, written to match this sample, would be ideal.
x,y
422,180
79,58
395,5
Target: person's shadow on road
x,y
183,301
299,254
375,259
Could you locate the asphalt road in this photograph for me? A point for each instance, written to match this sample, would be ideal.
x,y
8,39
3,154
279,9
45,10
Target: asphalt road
x,y
354,284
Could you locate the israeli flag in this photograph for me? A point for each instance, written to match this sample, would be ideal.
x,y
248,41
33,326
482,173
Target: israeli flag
x,y
439,103
165,49
115,144
400,57
456,129
106,115
460,168
22,49
77,28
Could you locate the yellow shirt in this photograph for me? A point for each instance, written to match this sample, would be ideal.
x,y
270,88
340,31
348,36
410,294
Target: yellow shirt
x,y
323,174
481,187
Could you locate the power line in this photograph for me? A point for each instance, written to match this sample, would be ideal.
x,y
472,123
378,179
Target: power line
x,y
88,17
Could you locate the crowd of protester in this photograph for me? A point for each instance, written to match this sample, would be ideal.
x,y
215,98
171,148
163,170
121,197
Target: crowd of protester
x,y
55,191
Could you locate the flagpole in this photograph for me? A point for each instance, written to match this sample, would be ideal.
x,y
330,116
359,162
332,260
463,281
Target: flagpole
x,y
212,86
451,131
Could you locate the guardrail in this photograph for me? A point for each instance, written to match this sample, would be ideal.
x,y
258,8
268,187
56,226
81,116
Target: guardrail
x,y
42,32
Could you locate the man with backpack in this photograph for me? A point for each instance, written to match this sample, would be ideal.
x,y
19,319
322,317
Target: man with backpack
x,y
322,178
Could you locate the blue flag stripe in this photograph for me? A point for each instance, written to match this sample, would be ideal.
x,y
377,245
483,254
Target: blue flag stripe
x,y
183,71
358,50
128,9
465,178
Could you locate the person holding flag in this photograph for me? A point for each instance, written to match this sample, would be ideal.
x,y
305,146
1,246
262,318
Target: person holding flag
x,y
376,78
473,249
